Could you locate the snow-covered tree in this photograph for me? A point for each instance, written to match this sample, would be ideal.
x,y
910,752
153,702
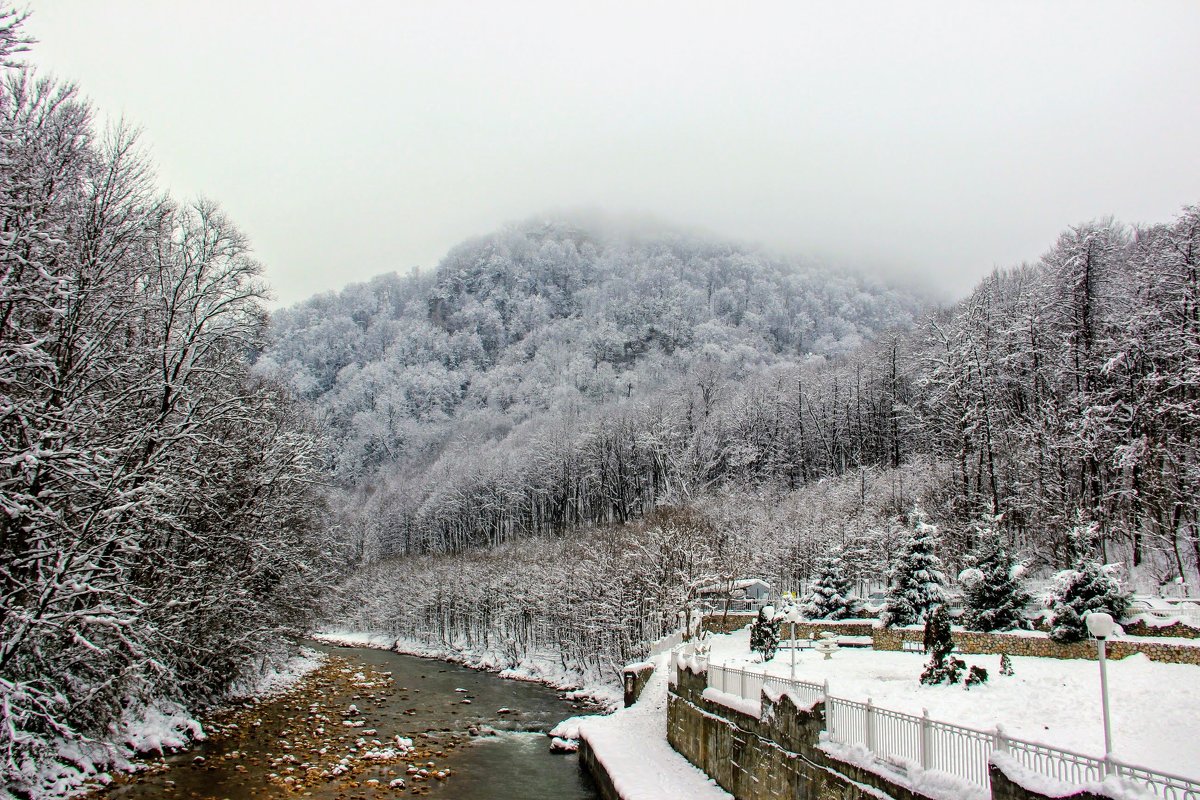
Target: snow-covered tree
x,y
1090,587
993,593
764,633
917,582
831,595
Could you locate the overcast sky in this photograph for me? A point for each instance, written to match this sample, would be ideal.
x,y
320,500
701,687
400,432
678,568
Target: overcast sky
x,y
938,139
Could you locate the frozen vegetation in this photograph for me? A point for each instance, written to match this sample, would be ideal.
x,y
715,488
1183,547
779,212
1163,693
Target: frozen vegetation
x,y
160,538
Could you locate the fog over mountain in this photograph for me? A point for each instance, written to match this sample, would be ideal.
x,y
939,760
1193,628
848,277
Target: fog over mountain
x,y
556,315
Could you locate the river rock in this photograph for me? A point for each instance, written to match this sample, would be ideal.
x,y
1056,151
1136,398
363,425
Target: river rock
x,y
558,745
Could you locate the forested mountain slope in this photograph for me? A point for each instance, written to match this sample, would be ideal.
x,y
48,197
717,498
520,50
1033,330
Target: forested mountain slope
x,y
546,341
1059,403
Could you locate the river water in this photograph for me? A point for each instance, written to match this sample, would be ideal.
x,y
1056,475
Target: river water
x,y
485,734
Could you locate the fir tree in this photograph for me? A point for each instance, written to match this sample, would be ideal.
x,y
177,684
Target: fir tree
x,y
942,667
917,580
994,597
831,596
1078,592
764,633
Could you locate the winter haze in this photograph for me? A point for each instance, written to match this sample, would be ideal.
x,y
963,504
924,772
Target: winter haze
x,y
917,139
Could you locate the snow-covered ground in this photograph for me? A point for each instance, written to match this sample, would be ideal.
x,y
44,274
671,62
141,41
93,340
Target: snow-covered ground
x,y
632,746
1155,706
278,679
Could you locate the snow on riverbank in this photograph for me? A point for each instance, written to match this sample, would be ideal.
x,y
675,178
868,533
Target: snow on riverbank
x,y
1155,706
277,679
545,670
161,726
632,746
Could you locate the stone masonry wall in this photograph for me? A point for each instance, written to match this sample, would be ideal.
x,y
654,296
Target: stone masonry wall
x,y
1015,644
1174,650
775,756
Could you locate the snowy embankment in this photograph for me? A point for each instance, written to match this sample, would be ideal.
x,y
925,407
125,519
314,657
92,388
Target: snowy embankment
x,y
166,726
543,669
632,747
1155,706
157,728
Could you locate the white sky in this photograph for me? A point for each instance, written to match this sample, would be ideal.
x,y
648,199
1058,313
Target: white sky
x,y
919,139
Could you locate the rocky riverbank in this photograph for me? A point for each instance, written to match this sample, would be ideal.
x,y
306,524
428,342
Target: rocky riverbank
x,y
319,738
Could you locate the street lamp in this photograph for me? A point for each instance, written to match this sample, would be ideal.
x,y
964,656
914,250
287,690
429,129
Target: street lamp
x,y
792,615
1100,625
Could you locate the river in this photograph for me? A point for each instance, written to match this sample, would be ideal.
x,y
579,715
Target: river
x,y
475,735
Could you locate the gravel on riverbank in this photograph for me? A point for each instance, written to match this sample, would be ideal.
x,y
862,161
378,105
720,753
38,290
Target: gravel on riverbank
x,y
314,736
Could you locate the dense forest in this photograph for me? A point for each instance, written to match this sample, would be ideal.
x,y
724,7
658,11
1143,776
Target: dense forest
x,y
1058,402
160,536
557,374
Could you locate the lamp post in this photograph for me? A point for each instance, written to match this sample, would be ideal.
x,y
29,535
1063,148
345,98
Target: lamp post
x,y
791,614
1100,625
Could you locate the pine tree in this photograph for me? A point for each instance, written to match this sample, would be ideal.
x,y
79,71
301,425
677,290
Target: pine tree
x,y
942,667
764,633
917,580
831,596
1078,592
994,597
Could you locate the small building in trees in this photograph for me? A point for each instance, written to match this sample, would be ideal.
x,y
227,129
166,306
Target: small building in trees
x,y
742,594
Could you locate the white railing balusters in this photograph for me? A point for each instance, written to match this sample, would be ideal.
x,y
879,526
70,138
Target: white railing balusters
x,y
955,749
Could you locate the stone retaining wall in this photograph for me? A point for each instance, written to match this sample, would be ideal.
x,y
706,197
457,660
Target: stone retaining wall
x,y
1168,649
603,781
772,758
775,756
1015,644
1177,630
727,623
635,677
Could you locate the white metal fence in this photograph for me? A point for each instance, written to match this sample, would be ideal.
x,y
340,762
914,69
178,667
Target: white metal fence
x,y
932,744
668,642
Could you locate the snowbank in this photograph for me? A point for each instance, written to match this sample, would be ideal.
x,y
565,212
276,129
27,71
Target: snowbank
x,y
1114,788
631,745
931,783
544,669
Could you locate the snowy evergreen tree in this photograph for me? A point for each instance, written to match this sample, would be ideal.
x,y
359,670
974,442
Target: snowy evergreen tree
x,y
942,667
764,633
831,596
1078,592
917,582
994,597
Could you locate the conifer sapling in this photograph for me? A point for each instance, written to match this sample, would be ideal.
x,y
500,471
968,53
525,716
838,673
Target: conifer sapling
x,y
1078,592
917,582
764,633
994,598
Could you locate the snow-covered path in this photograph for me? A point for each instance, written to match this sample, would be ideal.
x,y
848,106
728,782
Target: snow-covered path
x,y
632,746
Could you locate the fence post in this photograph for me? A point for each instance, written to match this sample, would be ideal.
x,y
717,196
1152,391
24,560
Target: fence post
x,y
1001,740
828,710
926,739
743,692
870,726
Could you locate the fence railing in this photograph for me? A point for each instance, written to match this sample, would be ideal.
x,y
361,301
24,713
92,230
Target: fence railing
x,y
668,642
932,744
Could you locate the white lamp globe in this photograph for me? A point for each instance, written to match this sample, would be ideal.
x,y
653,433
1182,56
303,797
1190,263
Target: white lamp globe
x,y
1099,624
